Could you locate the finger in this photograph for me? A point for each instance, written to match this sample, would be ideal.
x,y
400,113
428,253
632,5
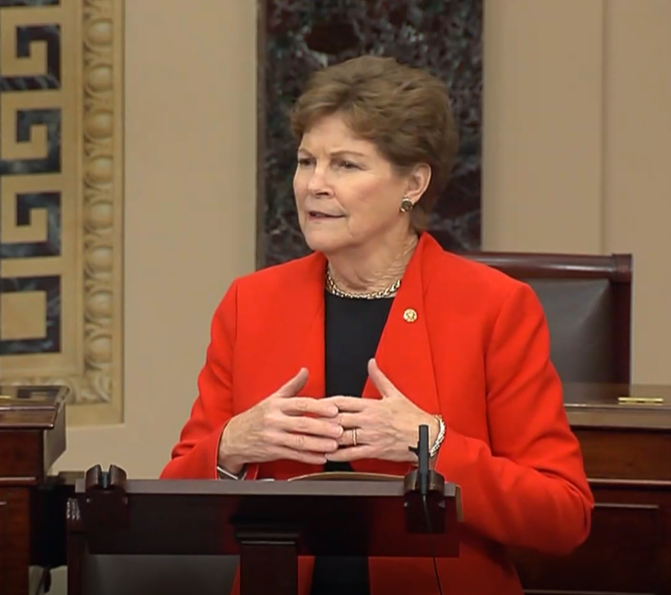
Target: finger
x,y
348,421
305,405
309,458
347,438
383,384
352,453
326,428
293,386
349,404
306,443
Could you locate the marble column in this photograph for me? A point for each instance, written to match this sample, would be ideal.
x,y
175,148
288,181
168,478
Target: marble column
x,y
297,37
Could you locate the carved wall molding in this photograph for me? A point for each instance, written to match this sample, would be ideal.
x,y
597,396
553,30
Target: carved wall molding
x,y
61,195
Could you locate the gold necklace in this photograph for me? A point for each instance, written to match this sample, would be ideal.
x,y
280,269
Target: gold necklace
x,y
332,288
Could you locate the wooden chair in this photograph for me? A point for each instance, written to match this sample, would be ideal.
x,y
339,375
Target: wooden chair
x,y
587,303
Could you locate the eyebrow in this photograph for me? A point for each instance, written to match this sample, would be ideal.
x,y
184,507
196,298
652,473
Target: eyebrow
x,y
337,153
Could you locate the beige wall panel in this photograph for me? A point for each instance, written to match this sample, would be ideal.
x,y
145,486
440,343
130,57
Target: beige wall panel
x,y
637,214
543,131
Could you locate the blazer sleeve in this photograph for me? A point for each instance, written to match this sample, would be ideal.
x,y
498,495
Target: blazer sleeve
x,y
529,489
196,454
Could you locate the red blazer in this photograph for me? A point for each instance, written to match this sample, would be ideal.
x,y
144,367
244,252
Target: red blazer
x,y
478,353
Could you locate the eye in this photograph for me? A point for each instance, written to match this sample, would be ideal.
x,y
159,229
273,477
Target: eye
x,y
304,161
348,165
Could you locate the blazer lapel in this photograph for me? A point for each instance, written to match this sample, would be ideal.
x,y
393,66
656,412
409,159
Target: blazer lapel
x,y
404,351
299,330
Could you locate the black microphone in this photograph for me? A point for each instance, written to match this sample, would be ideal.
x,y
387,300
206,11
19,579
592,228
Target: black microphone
x,y
423,457
422,452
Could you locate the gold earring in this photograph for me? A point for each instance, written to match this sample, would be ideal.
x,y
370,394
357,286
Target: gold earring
x,y
406,205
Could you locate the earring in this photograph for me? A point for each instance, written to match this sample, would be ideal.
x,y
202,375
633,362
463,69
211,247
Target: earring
x,y
406,205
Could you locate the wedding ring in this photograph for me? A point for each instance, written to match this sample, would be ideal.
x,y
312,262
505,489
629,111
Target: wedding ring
x,y
354,437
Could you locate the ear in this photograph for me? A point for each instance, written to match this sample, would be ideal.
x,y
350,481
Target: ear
x,y
418,181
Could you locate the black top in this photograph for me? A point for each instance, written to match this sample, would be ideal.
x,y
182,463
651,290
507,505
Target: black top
x,y
352,332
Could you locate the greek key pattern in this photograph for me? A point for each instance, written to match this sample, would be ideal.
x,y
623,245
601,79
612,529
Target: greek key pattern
x,y
61,200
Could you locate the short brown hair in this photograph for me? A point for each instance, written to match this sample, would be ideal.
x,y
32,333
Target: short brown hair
x,y
404,111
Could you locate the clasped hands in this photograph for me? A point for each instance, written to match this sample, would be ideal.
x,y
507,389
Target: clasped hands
x,y
286,425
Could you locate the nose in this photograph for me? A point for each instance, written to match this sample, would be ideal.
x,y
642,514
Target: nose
x,y
318,184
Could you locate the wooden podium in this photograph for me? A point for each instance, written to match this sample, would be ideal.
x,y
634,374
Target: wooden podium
x,y
32,526
267,523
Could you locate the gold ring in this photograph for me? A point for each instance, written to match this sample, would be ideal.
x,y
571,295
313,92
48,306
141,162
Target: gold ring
x,y
354,437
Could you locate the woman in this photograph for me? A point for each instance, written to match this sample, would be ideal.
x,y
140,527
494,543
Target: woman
x,y
334,360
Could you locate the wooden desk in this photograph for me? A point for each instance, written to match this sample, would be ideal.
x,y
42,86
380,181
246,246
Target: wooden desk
x,y
32,437
627,454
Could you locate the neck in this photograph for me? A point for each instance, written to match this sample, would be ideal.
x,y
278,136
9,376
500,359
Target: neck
x,y
358,272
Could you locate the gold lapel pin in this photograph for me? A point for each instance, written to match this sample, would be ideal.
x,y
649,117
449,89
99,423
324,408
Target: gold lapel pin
x,y
410,315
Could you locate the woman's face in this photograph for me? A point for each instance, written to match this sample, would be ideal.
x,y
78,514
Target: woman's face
x,y
347,194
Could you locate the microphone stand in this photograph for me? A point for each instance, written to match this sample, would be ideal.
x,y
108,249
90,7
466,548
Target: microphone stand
x,y
421,485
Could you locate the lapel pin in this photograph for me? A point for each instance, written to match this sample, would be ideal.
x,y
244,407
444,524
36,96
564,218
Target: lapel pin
x,y
410,315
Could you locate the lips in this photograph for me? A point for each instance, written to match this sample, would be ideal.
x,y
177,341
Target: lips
x,y
320,215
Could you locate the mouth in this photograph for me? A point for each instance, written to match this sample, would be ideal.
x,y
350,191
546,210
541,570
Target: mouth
x,y
322,216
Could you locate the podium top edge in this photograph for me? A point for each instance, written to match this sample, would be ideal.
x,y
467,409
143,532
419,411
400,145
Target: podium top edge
x,y
263,487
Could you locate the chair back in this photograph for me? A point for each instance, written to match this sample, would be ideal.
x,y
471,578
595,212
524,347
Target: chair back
x,y
587,303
